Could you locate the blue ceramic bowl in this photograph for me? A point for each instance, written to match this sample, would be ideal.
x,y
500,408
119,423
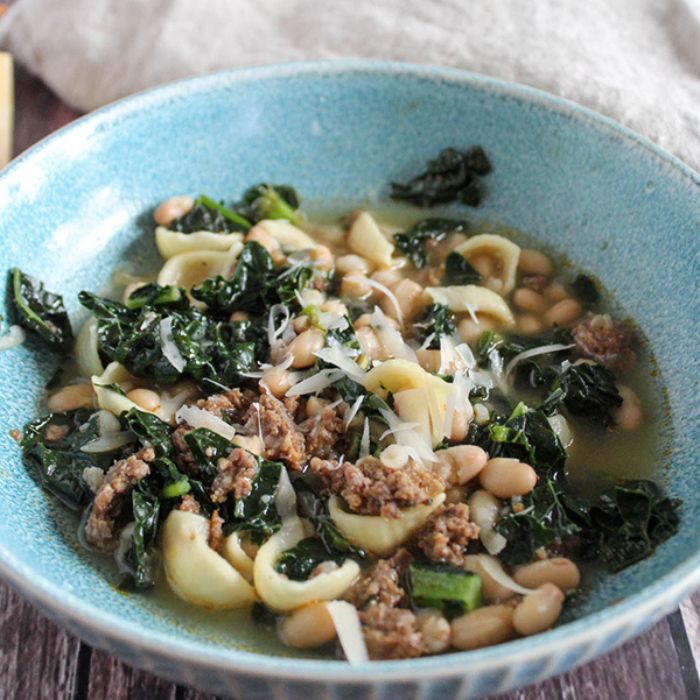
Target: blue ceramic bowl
x,y
72,210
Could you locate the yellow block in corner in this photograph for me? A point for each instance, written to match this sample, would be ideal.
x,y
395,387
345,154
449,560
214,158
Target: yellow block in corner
x,y
7,107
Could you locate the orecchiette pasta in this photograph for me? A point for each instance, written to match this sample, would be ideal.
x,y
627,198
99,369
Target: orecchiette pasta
x,y
172,243
287,235
280,592
380,535
504,251
475,300
190,269
195,571
235,555
366,239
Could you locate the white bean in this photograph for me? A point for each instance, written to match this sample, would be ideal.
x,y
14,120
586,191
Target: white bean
x,y
463,462
528,324
505,477
369,343
279,381
429,360
70,398
532,262
410,297
355,287
352,265
482,627
169,210
560,571
538,610
470,332
308,627
323,257
145,398
529,300
303,347
563,312
629,415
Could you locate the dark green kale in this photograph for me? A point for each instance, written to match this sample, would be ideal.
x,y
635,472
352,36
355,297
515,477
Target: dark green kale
x,y
52,445
257,512
314,507
256,284
629,521
265,201
624,525
585,290
208,215
149,430
438,321
212,351
447,588
39,310
207,448
141,557
525,435
451,177
292,281
588,391
298,562
155,295
459,271
551,517
412,243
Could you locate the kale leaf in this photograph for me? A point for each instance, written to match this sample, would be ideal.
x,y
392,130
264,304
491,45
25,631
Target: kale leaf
x,y
39,310
214,351
257,512
451,177
58,457
551,516
208,215
438,321
265,201
155,295
207,447
623,526
585,290
298,562
412,243
141,558
255,285
314,507
629,521
459,271
149,429
589,391
525,435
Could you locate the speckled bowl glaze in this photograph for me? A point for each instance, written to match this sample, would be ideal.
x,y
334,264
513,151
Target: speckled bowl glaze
x,y
73,208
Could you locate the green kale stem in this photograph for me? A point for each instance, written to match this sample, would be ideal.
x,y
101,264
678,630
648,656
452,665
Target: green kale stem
x,y
224,211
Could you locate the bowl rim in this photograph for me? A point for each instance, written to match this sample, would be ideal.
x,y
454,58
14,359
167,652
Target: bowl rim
x,y
647,605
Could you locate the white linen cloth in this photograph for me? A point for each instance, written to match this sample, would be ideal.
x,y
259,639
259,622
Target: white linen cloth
x,y
637,61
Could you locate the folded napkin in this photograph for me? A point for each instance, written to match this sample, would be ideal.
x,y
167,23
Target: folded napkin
x,y
638,62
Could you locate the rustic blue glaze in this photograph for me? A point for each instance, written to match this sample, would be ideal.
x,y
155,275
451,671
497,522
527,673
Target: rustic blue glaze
x,y
70,212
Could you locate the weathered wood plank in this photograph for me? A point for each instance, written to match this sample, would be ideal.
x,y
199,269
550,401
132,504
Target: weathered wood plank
x,y
38,111
690,611
37,659
644,668
111,679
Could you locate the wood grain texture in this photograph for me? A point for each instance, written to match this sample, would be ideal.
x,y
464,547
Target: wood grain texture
x,y
39,660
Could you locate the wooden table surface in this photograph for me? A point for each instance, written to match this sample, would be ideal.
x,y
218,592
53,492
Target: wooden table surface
x,y
39,660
